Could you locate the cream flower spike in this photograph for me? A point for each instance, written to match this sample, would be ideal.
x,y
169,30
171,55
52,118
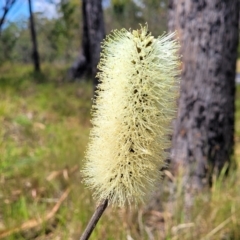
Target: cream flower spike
x,y
132,114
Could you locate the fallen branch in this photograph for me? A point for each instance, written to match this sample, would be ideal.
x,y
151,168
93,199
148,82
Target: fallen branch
x,y
36,222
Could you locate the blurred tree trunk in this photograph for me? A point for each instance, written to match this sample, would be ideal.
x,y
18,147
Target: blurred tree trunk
x,y
6,8
204,130
35,55
93,34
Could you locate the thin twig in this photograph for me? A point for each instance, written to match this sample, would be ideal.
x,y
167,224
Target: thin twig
x,y
94,220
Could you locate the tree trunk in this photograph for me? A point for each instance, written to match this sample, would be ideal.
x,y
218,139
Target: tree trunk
x,y
6,8
93,34
35,55
204,130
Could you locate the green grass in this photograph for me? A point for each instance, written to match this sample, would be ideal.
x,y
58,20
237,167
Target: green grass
x,y
44,132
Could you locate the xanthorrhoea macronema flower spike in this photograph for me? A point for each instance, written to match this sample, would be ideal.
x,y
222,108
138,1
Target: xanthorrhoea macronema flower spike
x,y
132,114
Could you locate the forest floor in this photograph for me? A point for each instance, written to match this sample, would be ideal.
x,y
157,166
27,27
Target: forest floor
x,y
43,135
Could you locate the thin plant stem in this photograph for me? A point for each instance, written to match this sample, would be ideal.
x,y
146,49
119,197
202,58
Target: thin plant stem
x,y
94,220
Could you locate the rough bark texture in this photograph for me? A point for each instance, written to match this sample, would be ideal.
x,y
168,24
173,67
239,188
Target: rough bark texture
x,y
203,137
93,34
35,54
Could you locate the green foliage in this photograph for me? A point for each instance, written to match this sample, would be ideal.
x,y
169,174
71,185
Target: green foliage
x,y
119,6
8,41
60,38
130,13
65,29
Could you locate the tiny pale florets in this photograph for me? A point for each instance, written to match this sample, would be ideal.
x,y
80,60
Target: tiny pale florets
x,y
132,115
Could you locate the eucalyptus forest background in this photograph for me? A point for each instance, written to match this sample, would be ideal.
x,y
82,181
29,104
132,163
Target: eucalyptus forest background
x,y
47,77
59,37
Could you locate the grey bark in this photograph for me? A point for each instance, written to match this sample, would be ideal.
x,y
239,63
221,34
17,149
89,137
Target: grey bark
x,y
35,54
203,137
93,34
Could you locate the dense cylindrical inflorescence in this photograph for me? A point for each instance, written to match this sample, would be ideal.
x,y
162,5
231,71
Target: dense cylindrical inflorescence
x,y
132,114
